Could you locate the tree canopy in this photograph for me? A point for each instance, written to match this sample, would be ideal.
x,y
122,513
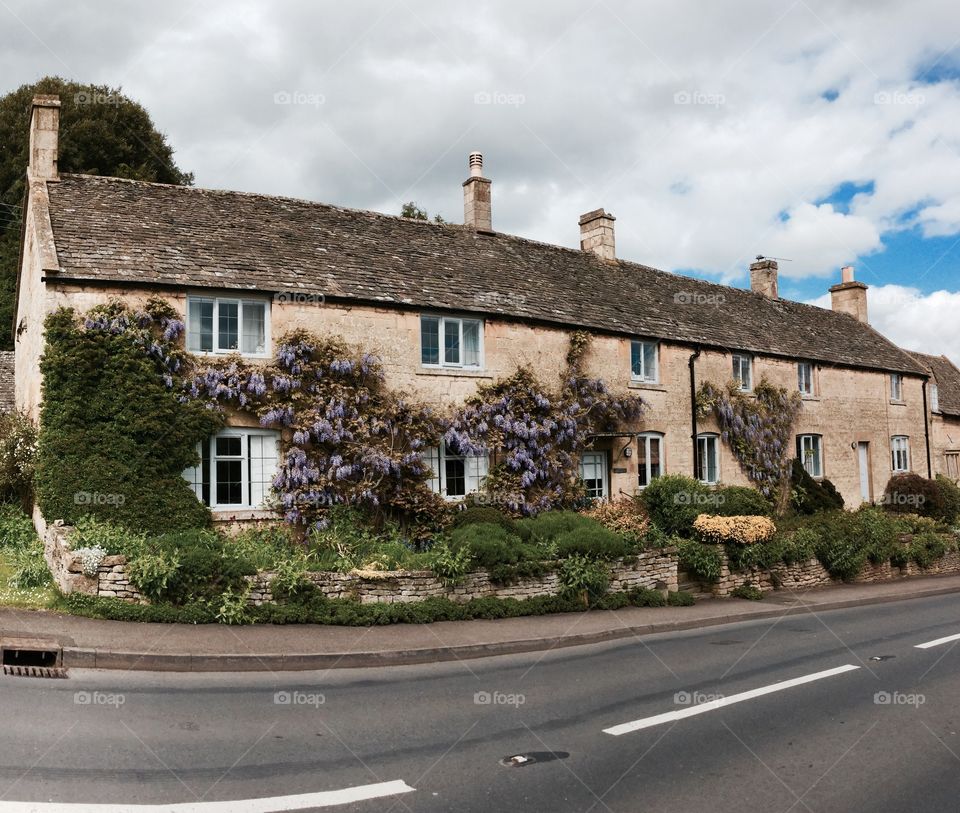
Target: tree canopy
x,y
102,132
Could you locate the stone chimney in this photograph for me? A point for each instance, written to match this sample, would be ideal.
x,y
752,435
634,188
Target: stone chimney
x,y
44,137
476,196
849,296
596,234
763,278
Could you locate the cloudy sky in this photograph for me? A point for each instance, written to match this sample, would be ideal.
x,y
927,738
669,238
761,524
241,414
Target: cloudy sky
x,y
823,132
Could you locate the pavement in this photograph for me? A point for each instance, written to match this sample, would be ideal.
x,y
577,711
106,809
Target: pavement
x,y
841,710
90,643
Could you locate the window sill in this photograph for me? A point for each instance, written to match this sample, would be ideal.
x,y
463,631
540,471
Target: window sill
x,y
222,354
647,385
242,514
810,397
897,403
456,372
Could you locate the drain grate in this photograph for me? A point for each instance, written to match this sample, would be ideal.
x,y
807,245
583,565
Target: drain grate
x,y
35,671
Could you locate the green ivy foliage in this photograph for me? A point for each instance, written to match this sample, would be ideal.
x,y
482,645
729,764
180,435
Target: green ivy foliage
x,y
114,436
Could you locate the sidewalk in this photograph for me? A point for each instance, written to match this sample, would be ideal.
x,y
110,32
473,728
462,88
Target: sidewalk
x,y
89,643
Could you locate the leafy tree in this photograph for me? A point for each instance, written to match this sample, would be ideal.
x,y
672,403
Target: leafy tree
x,y
102,132
414,212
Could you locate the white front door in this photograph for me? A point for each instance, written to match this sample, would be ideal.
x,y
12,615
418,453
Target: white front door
x,y
863,455
593,470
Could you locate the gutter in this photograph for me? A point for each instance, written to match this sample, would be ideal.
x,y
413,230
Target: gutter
x,y
926,429
693,410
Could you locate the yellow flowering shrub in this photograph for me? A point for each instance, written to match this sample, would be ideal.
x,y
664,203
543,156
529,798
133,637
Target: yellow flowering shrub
x,y
624,516
741,530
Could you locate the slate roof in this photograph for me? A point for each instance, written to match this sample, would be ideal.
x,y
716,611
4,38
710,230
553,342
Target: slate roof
x,y
7,400
115,230
947,377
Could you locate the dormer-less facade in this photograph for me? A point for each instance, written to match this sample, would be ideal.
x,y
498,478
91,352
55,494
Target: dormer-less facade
x,y
449,307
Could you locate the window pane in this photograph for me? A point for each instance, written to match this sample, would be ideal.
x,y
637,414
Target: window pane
x,y
229,482
650,361
262,467
229,446
429,340
200,325
451,341
655,458
471,344
476,469
253,339
636,359
456,477
227,325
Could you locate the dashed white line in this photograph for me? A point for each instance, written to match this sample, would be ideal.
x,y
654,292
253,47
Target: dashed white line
x,y
303,801
703,708
939,641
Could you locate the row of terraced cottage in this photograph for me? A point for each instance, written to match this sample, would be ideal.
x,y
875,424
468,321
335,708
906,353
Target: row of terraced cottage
x,y
447,307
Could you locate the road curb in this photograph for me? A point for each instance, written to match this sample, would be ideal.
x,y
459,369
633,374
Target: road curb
x,y
93,658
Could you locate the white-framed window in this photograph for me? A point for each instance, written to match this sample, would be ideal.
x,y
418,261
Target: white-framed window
x,y
805,377
649,457
643,362
934,398
455,476
896,387
236,468
593,472
451,341
900,453
810,452
743,371
228,325
708,458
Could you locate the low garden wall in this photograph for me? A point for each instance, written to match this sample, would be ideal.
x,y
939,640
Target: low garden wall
x,y
648,569
804,575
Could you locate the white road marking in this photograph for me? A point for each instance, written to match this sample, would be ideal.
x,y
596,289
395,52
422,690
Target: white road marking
x,y
303,801
939,641
703,708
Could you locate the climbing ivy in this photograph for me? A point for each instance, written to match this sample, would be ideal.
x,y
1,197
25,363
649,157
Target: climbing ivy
x,y
758,428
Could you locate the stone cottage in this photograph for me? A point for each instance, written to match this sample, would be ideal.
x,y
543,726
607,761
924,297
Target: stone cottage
x,y
447,307
943,403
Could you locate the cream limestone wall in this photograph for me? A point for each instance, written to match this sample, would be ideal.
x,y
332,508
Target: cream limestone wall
x,y
849,405
944,438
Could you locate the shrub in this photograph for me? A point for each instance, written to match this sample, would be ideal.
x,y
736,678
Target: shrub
x,y
18,452
878,533
475,514
680,599
233,606
488,544
747,591
152,573
90,532
597,543
16,528
583,576
267,546
839,546
674,502
926,548
912,494
30,567
810,496
624,516
734,501
734,529
450,565
110,425
800,545
950,498
704,561
290,582
547,526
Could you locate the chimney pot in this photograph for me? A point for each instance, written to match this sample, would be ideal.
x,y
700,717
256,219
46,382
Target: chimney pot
x,y
44,137
597,234
764,278
476,196
850,296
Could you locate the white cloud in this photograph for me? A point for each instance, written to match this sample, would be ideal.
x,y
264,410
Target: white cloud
x,y
913,320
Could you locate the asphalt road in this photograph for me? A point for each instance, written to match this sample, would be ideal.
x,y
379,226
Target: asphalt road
x,y
881,735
